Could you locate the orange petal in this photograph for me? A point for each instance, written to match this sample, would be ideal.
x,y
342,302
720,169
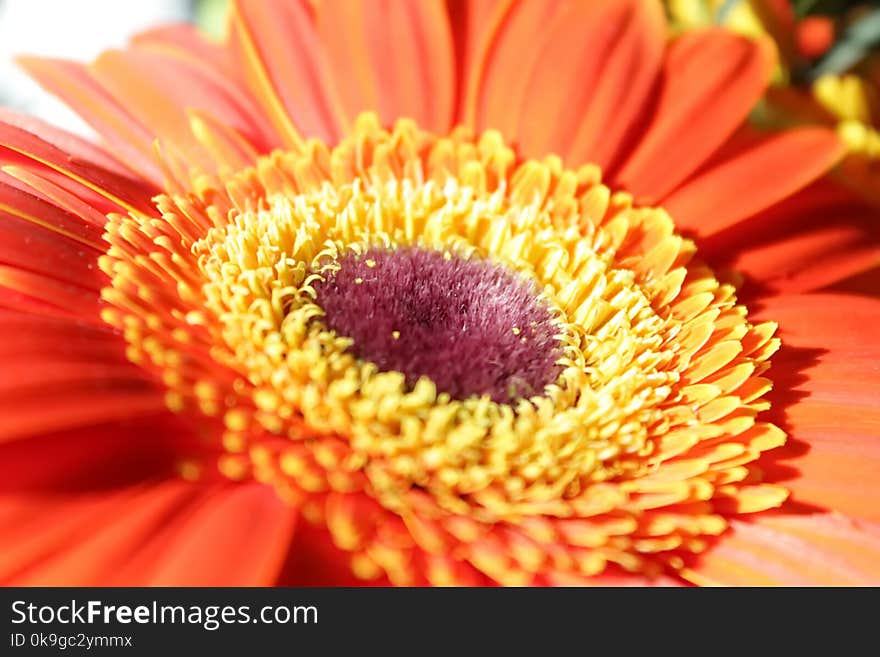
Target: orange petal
x,y
576,87
590,82
836,329
214,61
712,80
159,88
185,41
503,50
834,463
391,57
734,185
126,76
278,51
813,239
792,550
825,396
226,145
815,258
73,84
469,20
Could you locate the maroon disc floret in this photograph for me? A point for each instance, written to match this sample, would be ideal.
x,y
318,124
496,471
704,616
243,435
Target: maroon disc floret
x,y
471,326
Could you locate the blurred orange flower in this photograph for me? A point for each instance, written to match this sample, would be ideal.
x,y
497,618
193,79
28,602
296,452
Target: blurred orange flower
x,y
410,293
841,92
795,41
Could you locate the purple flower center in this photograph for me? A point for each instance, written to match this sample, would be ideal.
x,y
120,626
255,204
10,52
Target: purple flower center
x,y
471,326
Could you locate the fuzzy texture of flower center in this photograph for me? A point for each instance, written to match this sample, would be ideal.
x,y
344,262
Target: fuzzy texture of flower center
x,y
472,327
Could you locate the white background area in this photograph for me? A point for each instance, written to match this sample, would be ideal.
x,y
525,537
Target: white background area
x,y
69,29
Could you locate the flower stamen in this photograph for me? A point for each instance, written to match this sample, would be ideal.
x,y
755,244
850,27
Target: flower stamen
x,y
451,320
594,391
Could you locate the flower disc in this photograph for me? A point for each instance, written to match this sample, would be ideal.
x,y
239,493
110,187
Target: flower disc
x,y
466,365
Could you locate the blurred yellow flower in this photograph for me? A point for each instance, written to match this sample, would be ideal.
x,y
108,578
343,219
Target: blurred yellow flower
x,y
846,101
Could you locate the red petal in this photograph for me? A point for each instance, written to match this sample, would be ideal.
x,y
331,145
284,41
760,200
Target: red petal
x,y
65,141
712,80
69,498
29,411
100,457
867,283
315,561
51,404
735,184
42,185
70,299
79,539
813,239
128,193
49,252
238,535
171,533
45,216
30,337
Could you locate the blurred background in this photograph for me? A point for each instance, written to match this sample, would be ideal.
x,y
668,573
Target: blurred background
x,y
80,30
831,37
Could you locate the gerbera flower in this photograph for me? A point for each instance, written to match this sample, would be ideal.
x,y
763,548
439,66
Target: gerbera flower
x,y
409,293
